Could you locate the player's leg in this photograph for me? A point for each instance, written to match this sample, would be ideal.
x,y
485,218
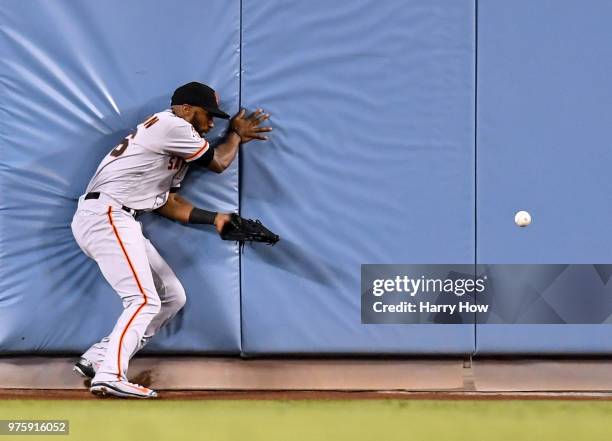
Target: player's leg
x,y
169,288
118,246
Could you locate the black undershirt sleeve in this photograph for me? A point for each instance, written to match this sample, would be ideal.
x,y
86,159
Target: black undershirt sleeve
x,y
206,158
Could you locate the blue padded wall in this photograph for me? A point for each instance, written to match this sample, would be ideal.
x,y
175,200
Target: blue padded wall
x,y
544,146
371,161
75,78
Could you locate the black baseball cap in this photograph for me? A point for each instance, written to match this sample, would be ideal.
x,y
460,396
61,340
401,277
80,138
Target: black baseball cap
x,y
201,95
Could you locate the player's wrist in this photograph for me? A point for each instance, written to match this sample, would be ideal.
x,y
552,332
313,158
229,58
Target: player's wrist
x,y
233,133
199,216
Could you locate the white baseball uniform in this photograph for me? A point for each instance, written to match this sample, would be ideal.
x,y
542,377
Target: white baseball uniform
x,y
136,175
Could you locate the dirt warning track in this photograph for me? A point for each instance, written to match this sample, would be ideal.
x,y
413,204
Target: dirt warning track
x,y
74,394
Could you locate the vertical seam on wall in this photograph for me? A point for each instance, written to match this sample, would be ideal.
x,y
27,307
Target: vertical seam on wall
x,y
475,161
3,143
240,58
240,170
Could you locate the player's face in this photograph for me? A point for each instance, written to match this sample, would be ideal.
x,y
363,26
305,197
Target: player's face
x,y
202,120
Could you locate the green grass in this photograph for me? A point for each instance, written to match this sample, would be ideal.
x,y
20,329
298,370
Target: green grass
x,y
380,420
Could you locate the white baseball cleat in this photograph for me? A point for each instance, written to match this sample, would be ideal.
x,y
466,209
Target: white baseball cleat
x,y
123,389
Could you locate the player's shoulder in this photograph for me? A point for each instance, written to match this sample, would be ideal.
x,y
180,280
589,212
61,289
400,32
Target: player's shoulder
x,y
179,127
166,127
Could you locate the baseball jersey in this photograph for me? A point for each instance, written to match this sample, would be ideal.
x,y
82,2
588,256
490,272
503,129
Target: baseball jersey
x,y
140,171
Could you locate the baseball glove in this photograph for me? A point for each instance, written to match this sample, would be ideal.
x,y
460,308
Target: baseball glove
x,y
247,230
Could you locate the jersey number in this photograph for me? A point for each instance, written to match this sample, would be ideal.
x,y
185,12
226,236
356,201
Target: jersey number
x,y
118,151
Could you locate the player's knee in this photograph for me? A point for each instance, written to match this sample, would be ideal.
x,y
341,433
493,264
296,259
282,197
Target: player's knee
x,y
151,305
177,297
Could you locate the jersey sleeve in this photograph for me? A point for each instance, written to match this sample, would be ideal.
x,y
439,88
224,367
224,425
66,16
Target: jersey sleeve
x,y
185,142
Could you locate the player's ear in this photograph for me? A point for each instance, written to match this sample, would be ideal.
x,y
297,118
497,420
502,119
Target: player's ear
x,y
189,112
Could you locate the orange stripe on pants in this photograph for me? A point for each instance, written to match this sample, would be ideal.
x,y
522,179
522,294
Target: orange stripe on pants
x,y
110,218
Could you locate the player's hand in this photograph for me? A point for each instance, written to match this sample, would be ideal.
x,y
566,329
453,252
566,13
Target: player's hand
x,y
249,127
221,219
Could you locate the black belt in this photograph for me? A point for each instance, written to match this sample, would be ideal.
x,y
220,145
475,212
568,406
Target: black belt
x,y
96,195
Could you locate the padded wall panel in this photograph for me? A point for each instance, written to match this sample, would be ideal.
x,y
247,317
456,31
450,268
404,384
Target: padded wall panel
x,y
544,131
371,161
75,78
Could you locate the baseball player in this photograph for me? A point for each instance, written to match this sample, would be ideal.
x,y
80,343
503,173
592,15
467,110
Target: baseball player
x,y
143,173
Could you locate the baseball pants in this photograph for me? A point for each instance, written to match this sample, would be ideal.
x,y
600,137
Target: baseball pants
x,y
149,289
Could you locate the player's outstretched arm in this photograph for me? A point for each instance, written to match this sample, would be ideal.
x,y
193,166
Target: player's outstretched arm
x,y
242,130
180,209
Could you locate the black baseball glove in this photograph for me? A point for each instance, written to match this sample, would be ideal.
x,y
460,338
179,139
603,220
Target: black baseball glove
x,y
247,230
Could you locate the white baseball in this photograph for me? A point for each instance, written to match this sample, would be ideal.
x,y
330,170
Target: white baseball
x,y
522,218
